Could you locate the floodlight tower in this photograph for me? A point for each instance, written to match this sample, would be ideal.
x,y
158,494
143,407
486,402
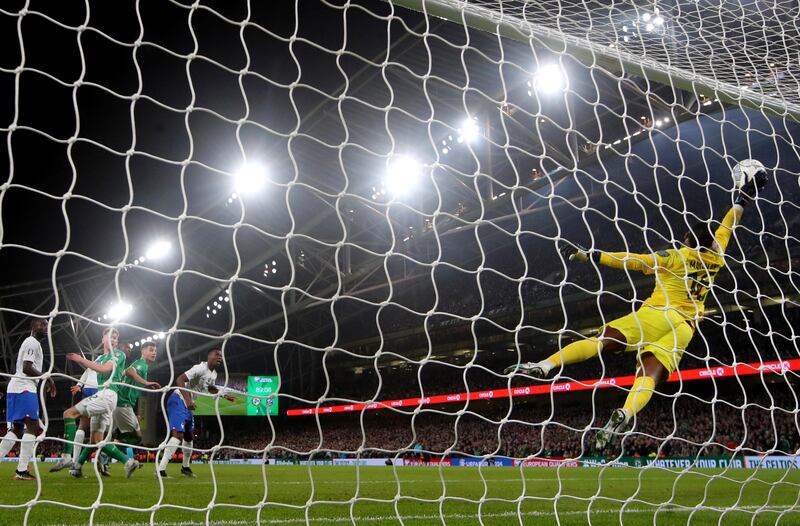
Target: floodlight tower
x,y
158,250
549,80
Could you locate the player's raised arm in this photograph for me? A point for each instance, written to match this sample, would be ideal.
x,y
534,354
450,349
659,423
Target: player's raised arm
x,y
755,177
104,368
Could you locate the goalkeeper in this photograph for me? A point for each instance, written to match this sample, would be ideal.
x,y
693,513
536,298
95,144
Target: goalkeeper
x,y
664,325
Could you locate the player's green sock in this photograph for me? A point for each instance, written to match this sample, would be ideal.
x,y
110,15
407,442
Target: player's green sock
x,y
575,352
70,426
114,452
86,452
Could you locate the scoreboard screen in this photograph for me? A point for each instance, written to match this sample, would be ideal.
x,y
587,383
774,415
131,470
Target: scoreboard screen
x,y
260,387
257,403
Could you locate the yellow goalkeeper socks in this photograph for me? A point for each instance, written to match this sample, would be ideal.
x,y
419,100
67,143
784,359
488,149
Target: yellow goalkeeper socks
x,y
640,395
575,352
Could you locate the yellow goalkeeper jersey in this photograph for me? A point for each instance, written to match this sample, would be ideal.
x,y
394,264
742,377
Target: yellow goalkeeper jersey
x,y
683,276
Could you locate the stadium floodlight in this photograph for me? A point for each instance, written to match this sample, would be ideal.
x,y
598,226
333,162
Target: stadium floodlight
x,y
158,250
402,174
469,131
119,310
549,79
250,178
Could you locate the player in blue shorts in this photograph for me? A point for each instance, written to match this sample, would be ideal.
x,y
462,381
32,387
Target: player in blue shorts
x,y
198,379
22,400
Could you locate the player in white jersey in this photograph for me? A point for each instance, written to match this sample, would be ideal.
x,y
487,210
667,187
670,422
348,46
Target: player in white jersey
x,y
200,379
22,402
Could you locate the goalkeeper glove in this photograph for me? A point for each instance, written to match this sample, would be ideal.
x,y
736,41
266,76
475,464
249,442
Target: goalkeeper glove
x,y
574,253
751,188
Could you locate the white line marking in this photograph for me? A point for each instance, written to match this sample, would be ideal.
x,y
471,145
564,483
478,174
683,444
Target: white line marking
x,y
379,518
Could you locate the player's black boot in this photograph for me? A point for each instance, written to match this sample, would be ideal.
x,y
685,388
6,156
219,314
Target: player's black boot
x,y
187,472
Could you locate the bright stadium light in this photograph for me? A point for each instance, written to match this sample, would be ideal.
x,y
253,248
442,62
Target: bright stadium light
x,y
119,310
402,174
549,79
469,131
250,178
158,250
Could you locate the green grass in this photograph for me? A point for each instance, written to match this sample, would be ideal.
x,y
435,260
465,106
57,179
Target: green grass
x,y
205,406
332,495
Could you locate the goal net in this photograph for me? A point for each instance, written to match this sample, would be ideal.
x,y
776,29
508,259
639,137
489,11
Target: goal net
x,y
440,245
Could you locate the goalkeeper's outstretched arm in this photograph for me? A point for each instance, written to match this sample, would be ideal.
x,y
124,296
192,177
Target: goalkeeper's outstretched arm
x,y
620,260
744,195
647,262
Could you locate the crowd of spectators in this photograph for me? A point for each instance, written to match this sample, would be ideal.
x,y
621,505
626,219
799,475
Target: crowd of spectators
x,y
671,425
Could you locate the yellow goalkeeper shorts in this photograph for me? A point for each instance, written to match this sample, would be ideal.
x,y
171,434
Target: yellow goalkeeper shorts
x,y
663,332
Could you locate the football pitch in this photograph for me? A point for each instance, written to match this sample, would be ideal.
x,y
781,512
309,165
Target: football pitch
x,y
205,406
418,495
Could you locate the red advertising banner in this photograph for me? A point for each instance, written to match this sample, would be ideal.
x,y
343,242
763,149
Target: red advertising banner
x,y
722,371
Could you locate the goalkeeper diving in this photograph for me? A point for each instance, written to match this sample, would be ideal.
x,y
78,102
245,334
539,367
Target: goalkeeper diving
x,y
661,329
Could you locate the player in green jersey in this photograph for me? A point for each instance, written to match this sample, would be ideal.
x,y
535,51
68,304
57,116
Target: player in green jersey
x,y
110,369
124,416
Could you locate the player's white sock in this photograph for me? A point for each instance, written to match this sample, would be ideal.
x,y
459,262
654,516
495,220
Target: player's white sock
x,y
26,451
80,435
7,443
546,366
172,447
187,453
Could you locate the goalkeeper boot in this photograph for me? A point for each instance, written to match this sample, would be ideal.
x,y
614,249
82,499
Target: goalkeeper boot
x,y
616,425
533,369
63,463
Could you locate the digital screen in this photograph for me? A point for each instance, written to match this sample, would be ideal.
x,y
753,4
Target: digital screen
x,y
257,404
260,387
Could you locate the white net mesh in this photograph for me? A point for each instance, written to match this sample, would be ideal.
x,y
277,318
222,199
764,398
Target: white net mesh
x,y
745,50
362,205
